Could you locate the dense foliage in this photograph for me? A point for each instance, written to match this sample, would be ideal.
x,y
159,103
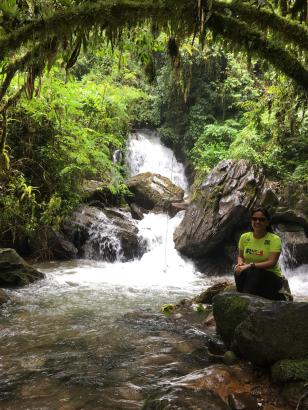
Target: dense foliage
x,y
67,133
235,109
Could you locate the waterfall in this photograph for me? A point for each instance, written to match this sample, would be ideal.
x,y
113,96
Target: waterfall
x,y
296,275
103,242
145,153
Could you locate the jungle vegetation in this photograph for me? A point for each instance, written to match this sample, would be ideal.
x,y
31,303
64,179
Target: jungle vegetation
x,y
219,79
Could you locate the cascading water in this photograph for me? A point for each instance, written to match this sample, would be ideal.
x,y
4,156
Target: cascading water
x,y
146,153
297,277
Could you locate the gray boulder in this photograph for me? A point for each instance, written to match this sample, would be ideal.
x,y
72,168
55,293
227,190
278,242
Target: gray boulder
x,y
275,332
14,271
98,193
222,204
154,192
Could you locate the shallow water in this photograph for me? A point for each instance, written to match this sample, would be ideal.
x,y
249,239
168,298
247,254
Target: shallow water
x,y
67,342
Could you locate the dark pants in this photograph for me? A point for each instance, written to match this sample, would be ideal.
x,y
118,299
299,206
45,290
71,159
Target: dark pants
x,y
260,282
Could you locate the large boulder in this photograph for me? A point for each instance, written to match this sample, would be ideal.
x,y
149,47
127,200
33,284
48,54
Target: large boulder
x,y
222,204
154,192
14,271
107,234
274,332
261,330
221,207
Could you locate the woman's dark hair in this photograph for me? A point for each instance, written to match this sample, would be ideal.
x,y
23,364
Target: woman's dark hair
x,y
267,215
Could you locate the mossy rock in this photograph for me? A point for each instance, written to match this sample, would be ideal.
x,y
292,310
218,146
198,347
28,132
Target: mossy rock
x,y
232,308
287,370
14,271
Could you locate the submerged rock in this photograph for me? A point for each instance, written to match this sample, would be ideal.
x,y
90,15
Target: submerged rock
x,y
14,271
154,192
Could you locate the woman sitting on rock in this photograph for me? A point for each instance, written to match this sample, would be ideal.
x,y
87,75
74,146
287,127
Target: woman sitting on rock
x,y
257,271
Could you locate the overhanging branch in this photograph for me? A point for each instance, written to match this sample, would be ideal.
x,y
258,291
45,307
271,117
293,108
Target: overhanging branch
x,y
239,33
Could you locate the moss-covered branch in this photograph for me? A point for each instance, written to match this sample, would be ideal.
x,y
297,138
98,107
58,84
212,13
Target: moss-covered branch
x,y
39,53
111,16
183,17
290,31
241,34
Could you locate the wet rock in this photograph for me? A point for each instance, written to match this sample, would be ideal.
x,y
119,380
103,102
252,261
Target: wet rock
x,y
136,212
50,244
293,204
230,358
108,234
290,370
176,207
181,398
295,242
261,330
4,297
14,271
225,198
207,295
154,192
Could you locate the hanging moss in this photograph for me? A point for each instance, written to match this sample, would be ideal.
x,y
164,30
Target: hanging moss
x,y
179,18
289,30
240,33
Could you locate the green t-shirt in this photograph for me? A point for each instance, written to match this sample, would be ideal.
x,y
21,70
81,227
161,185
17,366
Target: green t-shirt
x,y
258,250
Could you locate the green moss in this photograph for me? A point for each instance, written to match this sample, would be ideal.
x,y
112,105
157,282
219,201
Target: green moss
x,y
229,312
289,370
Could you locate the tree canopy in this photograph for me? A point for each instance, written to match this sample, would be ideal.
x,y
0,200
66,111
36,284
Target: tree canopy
x,y
34,32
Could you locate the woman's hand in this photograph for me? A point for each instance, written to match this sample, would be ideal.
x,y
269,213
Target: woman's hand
x,y
240,267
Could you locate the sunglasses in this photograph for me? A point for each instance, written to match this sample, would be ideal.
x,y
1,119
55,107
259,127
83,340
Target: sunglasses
x,y
255,219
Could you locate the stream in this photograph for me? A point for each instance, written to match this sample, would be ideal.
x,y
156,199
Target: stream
x,y
91,335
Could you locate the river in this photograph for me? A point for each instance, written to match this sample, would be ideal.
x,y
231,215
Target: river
x,y
90,335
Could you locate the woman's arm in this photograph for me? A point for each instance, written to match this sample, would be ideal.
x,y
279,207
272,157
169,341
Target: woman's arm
x,y
240,261
268,264
240,258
